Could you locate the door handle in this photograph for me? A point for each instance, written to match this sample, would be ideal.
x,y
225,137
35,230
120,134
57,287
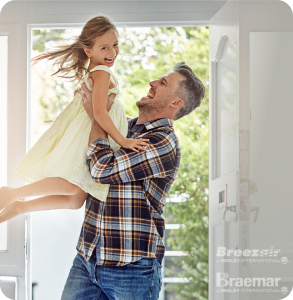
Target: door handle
x,y
231,208
256,209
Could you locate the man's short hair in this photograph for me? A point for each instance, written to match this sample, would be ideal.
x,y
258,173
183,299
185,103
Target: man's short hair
x,y
191,90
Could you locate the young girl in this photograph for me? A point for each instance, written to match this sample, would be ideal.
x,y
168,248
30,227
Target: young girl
x,y
57,163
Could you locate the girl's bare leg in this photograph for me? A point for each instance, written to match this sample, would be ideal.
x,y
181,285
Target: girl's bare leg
x,y
44,187
43,203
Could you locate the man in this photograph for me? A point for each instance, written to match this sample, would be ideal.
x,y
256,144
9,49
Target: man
x,y
120,249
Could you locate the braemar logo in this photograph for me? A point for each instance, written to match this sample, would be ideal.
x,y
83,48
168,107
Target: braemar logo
x,y
223,280
224,252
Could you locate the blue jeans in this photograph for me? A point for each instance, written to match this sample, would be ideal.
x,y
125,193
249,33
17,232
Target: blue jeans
x,y
88,281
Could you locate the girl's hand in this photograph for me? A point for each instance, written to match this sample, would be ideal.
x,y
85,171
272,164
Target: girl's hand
x,y
135,144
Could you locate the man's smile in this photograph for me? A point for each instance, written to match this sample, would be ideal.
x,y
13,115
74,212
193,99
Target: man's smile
x,y
150,94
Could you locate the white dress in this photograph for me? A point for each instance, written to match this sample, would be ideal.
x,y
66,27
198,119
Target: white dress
x,y
61,150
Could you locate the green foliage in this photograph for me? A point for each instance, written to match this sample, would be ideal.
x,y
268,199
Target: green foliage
x,y
41,37
57,92
146,54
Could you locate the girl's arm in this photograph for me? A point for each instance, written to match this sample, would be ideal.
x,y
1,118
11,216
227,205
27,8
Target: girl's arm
x,y
100,96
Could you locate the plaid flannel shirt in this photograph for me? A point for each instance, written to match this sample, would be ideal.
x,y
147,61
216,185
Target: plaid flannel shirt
x,y
129,225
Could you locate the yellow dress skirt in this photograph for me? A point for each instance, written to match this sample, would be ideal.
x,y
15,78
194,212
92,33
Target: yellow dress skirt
x,y
62,149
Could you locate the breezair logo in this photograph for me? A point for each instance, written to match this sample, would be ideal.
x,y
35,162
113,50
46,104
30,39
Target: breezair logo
x,y
224,280
223,251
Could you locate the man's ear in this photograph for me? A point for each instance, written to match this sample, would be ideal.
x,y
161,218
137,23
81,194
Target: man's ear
x,y
177,103
87,52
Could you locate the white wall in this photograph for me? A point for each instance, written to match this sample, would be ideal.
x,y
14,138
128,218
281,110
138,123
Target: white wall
x,y
271,147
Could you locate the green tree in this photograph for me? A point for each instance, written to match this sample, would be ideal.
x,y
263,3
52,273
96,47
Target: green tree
x,y
145,54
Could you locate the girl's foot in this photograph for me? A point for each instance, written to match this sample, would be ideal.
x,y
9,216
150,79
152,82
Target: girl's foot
x,y
6,196
10,211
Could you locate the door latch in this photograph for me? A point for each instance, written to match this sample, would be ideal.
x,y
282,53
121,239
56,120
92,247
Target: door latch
x,y
256,209
232,209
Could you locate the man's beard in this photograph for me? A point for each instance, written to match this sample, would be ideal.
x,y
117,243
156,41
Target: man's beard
x,y
150,108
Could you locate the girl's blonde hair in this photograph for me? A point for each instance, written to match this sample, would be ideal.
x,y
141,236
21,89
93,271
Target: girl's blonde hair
x,y
71,59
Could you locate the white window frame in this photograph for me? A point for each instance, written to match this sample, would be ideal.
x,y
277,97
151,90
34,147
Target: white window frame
x,y
13,261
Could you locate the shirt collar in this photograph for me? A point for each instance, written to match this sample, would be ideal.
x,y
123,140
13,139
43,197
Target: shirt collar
x,y
150,124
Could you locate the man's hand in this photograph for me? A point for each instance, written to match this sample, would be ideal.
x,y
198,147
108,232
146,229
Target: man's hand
x,y
87,98
110,101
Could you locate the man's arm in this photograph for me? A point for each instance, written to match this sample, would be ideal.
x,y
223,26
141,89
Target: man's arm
x,y
125,165
97,132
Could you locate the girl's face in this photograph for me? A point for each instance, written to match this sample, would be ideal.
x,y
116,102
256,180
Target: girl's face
x,y
105,49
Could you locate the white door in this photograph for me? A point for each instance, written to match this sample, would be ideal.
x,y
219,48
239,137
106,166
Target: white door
x,y
224,149
250,162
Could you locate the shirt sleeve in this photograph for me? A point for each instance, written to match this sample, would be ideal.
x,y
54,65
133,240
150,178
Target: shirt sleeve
x,y
125,165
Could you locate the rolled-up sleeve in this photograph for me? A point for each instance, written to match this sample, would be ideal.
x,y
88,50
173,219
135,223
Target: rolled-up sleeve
x,y
125,165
